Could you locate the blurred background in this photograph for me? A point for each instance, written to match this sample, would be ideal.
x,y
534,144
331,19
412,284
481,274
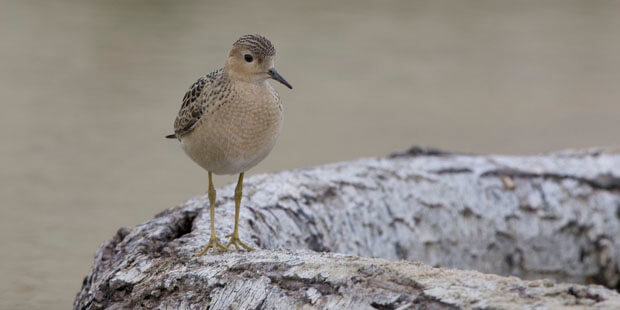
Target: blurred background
x,y
88,89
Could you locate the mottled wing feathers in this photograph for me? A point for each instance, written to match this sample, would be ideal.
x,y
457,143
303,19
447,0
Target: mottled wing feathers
x,y
194,105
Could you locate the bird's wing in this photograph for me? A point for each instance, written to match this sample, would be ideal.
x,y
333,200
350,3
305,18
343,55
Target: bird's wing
x,y
194,104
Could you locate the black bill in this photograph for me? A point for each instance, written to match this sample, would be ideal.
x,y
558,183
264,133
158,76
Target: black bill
x,y
276,76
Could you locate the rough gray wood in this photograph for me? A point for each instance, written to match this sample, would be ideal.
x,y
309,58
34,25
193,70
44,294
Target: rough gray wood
x,y
549,216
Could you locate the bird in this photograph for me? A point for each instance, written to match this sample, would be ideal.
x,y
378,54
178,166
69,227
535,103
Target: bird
x,y
229,121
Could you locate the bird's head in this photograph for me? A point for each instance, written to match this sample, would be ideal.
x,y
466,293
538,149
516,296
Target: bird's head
x,y
252,59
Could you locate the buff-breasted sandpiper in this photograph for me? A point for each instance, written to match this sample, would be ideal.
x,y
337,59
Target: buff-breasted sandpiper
x,y
230,119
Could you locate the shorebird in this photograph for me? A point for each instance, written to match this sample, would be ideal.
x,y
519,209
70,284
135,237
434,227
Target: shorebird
x,y
230,119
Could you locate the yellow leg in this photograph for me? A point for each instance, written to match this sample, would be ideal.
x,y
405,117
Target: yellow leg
x,y
234,237
214,242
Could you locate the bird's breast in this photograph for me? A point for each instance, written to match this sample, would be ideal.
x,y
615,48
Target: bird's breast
x,y
234,136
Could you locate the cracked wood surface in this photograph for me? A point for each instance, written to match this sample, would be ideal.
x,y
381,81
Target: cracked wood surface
x,y
549,216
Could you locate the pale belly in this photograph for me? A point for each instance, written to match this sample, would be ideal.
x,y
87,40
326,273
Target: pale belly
x,y
234,138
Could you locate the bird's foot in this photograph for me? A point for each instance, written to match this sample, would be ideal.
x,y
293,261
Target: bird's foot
x,y
234,240
214,243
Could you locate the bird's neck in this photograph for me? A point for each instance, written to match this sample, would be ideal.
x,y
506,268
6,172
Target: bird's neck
x,y
237,77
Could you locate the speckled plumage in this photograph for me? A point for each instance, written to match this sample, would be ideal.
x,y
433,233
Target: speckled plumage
x,y
230,119
238,126
192,108
228,125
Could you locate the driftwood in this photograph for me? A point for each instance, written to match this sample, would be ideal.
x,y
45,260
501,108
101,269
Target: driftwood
x,y
551,216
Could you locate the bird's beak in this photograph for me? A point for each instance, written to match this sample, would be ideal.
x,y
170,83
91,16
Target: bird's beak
x,y
276,76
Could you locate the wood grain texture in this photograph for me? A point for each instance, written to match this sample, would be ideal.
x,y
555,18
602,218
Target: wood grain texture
x,y
553,216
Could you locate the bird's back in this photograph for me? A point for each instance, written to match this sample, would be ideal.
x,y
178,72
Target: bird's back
x,y
195,102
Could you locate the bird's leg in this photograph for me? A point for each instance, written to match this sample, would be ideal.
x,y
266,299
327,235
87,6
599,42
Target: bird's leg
x,y
214,242
234,237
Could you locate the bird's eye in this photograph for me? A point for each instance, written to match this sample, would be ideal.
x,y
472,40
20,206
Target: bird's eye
x,y
248,57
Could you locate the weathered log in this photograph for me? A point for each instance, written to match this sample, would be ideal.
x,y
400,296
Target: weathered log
x,y
549,216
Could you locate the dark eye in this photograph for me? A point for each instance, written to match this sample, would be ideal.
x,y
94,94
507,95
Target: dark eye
x,y
248,57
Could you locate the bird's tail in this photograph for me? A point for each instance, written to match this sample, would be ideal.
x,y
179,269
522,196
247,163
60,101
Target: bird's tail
x,y
172,136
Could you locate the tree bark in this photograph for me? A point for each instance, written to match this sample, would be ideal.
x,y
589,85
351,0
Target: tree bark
x,y
551,216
